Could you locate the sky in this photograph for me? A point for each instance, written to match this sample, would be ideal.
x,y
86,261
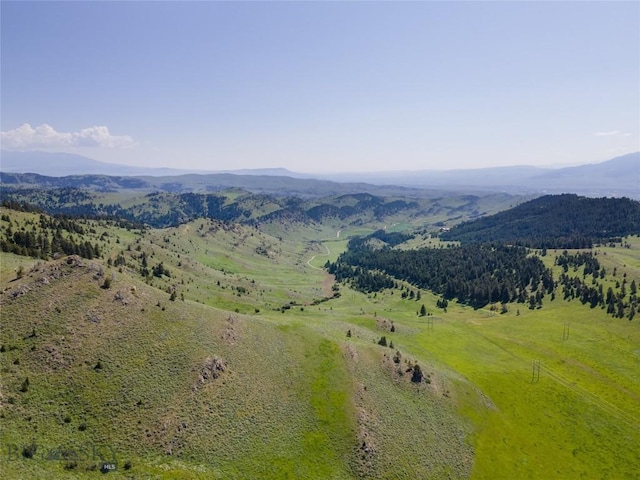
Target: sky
x,y
322,86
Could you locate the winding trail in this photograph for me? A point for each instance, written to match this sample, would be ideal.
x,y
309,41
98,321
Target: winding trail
x,y
319,255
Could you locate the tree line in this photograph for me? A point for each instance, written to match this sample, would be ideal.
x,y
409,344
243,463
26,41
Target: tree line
x,y
588,283
473,274
49,236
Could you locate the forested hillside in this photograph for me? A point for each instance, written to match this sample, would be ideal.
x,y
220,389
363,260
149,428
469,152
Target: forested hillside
x,y
166,209
473,274
478,274
555,221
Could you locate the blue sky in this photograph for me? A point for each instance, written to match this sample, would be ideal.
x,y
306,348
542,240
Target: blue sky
x,y
323,86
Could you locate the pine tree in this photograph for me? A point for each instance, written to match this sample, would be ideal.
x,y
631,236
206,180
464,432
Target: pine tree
x,y
417,375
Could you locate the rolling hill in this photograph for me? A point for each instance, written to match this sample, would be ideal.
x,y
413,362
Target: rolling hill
x,y
555,221
161,209
219,348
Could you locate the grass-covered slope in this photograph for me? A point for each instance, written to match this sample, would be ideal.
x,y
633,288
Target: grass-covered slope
x,y
262,371
126,369
223,384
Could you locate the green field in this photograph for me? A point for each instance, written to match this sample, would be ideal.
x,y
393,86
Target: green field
x,y
122,370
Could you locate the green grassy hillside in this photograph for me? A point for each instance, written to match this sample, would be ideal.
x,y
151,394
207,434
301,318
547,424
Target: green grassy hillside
x,y
247,361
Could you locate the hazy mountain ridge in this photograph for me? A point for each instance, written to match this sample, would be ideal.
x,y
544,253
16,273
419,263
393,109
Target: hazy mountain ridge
x,y
616,177
268,184
66,164
619,176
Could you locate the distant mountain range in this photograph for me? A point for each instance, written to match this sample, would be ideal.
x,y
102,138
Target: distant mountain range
x,y
617,177
64,164
614,178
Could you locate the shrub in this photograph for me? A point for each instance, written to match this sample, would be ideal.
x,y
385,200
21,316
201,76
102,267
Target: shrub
x,y
25,385
28,451
397,357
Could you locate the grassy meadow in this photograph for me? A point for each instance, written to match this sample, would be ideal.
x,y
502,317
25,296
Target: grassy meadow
x,y
300,387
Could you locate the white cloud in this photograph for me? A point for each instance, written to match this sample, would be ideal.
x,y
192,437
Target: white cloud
x,y
26,137
612,133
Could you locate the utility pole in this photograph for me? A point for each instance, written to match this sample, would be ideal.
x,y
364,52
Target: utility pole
x,y
565,332
535,371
